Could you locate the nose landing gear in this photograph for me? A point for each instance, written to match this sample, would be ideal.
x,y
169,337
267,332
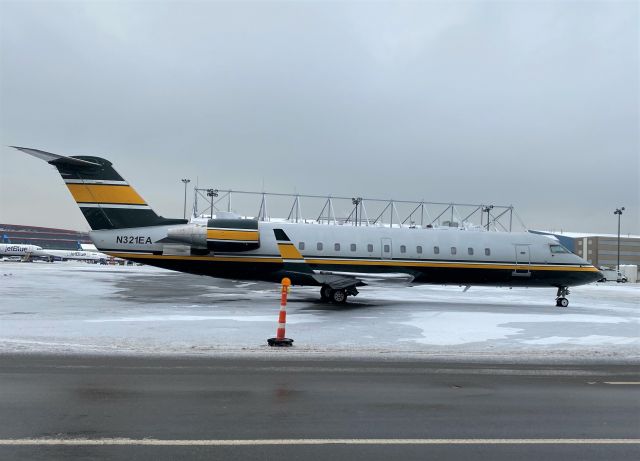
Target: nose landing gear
x,y
561,301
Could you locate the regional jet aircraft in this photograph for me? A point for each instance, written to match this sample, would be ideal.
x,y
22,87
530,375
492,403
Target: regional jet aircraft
x,y
338,259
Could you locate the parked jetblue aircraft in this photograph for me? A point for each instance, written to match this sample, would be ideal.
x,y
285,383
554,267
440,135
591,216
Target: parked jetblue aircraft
x,y
336,258
74,255
15,249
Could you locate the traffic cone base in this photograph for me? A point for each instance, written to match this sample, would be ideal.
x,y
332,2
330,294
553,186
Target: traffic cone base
x,y
280,342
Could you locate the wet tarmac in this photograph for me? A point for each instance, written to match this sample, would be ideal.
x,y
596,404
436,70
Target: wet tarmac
x,y
210,408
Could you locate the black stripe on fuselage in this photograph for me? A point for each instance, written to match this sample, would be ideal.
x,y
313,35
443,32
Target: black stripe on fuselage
x,y
273,272
248,224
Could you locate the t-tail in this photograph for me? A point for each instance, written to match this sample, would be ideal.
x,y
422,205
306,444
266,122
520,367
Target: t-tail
x,y
105,198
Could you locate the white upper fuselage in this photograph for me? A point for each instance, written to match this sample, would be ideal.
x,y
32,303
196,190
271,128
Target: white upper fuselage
x,y
14,249
370,242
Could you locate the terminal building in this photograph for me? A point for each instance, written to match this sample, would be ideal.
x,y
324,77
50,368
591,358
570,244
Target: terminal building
x,y
45,237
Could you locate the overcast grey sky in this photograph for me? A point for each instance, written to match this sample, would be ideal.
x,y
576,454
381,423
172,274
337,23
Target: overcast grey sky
x,y
530,103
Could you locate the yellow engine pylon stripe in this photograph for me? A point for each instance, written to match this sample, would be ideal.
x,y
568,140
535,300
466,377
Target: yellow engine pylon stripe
x,y
216,234
289,251
101,193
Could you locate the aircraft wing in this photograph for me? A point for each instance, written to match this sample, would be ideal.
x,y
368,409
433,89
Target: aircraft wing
x,y
344,279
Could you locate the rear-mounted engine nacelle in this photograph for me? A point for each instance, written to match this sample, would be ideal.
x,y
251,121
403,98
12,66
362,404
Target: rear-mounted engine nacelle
x,y
189,234
219,235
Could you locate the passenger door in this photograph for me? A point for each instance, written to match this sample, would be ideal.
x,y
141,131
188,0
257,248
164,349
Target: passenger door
x,y
523,261
386,248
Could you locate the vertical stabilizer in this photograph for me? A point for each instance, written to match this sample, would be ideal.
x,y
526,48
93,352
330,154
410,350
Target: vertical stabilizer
x,y
104,197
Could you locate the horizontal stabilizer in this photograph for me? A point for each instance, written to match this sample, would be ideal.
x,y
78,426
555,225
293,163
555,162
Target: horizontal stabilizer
x,y
55,159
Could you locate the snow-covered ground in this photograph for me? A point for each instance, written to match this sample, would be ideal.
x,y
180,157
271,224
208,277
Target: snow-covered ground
x,y
77,307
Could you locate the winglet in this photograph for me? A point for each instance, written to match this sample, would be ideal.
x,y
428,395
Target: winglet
x,y
287,249
292,258
55,159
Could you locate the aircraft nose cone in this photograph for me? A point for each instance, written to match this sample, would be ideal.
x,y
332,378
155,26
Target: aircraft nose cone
x,y
594,276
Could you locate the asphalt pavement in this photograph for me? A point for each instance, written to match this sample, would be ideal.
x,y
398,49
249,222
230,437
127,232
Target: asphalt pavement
x,y
101,407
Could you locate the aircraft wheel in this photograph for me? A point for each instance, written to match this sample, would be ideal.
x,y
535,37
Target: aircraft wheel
x,y
562,302
325,293
339,296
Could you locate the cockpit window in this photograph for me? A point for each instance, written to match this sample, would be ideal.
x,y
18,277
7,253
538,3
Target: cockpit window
x,y
556,249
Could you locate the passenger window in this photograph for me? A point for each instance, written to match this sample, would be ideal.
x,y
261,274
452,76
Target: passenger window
x,y
301,245
336,247
436,250
403,249
370,248
454,250
487,252
387,249
319,246
470,251
419,249
353,247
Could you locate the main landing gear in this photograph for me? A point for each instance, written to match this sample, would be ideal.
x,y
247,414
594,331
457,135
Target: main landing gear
x,y
561,301
338,295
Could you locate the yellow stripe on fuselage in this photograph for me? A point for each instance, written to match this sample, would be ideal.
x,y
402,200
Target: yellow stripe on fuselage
x,y
382,263
218,234
240,259
455,265
103,193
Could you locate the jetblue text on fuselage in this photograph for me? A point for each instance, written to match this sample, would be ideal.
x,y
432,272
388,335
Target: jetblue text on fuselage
x,y
17,248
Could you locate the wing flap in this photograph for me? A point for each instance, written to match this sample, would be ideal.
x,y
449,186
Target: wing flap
x,y
337,279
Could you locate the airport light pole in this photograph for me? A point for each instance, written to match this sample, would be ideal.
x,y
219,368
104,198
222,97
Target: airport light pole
x,y
212,193
184,211
356,201
619,213
487,209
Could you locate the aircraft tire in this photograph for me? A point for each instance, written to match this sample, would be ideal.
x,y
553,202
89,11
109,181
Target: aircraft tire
x,y
563,302
325,293
338,296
